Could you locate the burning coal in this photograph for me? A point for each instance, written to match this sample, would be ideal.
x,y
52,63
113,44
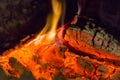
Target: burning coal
x,y
64,54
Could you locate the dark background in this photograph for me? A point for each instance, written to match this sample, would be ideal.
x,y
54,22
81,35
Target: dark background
x,y
19,18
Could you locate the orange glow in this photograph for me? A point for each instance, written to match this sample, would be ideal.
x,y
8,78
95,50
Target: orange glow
x,y
49,54
47,59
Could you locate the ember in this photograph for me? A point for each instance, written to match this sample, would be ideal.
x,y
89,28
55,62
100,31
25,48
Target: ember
x,y
64,54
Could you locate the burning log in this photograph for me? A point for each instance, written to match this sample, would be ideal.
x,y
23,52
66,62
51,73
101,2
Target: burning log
x,y
67,57
93,41
70,53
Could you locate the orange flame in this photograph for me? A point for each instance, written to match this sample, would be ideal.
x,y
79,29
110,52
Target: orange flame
x,y
45,61
51,24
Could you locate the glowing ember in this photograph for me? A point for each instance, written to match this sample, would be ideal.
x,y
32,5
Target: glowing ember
x,y
49,57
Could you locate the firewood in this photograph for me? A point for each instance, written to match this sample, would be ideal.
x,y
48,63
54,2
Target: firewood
x,y
93,40
74,55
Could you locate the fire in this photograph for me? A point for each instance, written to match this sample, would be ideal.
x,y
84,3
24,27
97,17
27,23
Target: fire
x,y
41,46
47,58
52,21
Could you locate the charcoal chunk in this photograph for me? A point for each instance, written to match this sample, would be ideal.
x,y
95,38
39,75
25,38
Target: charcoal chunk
x,y
101,70
59,77
86,65
17,65
27,75
3,75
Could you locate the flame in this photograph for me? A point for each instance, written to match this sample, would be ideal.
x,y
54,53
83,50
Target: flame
x,y
52,22
40,44
46,60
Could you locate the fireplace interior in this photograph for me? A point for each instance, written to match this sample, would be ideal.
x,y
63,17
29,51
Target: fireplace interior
x,y
85,45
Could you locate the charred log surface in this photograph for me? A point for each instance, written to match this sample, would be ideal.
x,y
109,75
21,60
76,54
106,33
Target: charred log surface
x,y
106,12
25,74
3,75
89,38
